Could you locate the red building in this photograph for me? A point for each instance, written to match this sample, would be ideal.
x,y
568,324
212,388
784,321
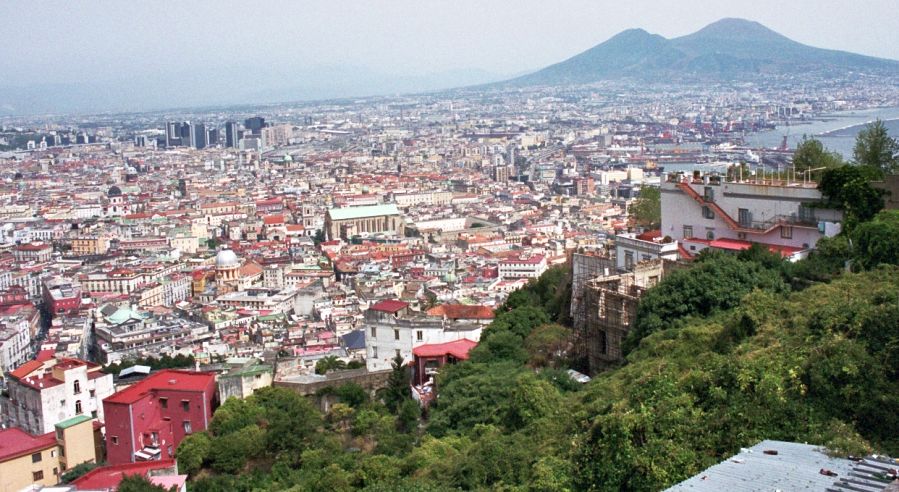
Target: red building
x,y
428,359
61,296
148,420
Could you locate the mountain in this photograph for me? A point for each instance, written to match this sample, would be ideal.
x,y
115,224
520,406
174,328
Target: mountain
x,y
727,49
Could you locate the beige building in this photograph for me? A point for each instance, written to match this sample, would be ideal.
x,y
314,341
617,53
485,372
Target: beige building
x,y
27,459
89,245
351,221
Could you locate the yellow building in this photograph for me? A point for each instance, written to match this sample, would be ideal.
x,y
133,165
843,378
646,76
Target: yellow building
x,y
89,245
26,459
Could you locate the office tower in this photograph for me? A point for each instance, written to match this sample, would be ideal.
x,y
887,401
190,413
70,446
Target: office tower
x,y
232,137
172,134
198,136
212,136
255,124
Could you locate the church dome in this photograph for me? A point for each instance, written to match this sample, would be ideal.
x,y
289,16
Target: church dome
x,y
226,259
114,191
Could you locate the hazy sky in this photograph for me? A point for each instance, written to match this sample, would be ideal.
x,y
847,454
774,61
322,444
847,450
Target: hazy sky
x,y
88,41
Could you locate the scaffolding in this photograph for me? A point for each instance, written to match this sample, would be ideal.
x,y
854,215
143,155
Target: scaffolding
x,y
609,303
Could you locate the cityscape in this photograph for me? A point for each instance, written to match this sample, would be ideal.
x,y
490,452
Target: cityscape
x,y
663,263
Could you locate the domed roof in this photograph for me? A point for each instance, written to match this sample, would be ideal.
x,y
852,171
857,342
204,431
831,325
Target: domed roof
x,y
114,191
288,157
226,259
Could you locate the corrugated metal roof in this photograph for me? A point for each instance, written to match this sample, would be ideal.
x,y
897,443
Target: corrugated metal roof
x,y
795,467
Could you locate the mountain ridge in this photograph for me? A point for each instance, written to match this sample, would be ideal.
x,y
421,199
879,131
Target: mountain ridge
x,y
730,48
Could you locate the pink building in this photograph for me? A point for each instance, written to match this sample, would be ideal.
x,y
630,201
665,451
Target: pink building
x,y
148,420
711,211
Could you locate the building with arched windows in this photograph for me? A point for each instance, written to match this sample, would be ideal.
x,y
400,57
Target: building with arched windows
x,y
43,393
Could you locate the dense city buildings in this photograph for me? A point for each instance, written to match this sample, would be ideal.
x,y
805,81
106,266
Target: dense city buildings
x,y
311,245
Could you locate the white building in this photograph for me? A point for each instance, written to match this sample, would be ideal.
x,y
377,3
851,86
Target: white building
x,y
42,394
15,343
522,267
392,329
631,249
709,211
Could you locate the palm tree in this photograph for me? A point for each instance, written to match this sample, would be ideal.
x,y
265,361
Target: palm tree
x,y
329,363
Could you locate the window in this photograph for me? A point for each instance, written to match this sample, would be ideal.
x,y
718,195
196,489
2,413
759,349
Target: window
x,y
185,405
419,335
59,434
62,451
396,334
397,353
374,332
744,217
38,475
186,425
164,402
77,387
688,231
56,471
710,235
93,414
115,440
628,259
78,407
786,232
36,458
709,194
374,352
707,213
93,393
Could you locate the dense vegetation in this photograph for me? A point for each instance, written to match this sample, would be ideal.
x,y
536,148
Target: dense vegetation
x,y
733,350
155,363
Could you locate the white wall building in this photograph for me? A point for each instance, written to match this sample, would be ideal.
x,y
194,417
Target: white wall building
x,y
391,329
44,394
717,213
522,267
631,249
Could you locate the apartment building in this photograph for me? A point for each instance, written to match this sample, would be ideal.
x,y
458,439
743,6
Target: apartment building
x,y
147,421
42,394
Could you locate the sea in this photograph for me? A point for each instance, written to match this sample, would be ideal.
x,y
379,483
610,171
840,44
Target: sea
x,y
837,131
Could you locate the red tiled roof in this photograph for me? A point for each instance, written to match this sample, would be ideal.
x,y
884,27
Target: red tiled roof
x,y
109,477
27,368
458,349
166,379
461,311
15,442
389,306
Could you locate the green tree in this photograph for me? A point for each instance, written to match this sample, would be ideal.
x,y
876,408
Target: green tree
x,y
193,452
352,394
397,389
717,282
329,363
136,482
547,345
877,241
811,154
875,148
77,471
849,188
647,208
231,452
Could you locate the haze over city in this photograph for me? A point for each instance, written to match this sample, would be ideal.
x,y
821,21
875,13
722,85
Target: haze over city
x,y
228,53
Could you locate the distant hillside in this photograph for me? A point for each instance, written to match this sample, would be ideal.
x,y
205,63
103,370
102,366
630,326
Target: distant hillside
x,y
727,49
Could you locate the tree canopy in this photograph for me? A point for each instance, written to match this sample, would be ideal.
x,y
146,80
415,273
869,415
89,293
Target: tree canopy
x,y
811,154
876,149
647,208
